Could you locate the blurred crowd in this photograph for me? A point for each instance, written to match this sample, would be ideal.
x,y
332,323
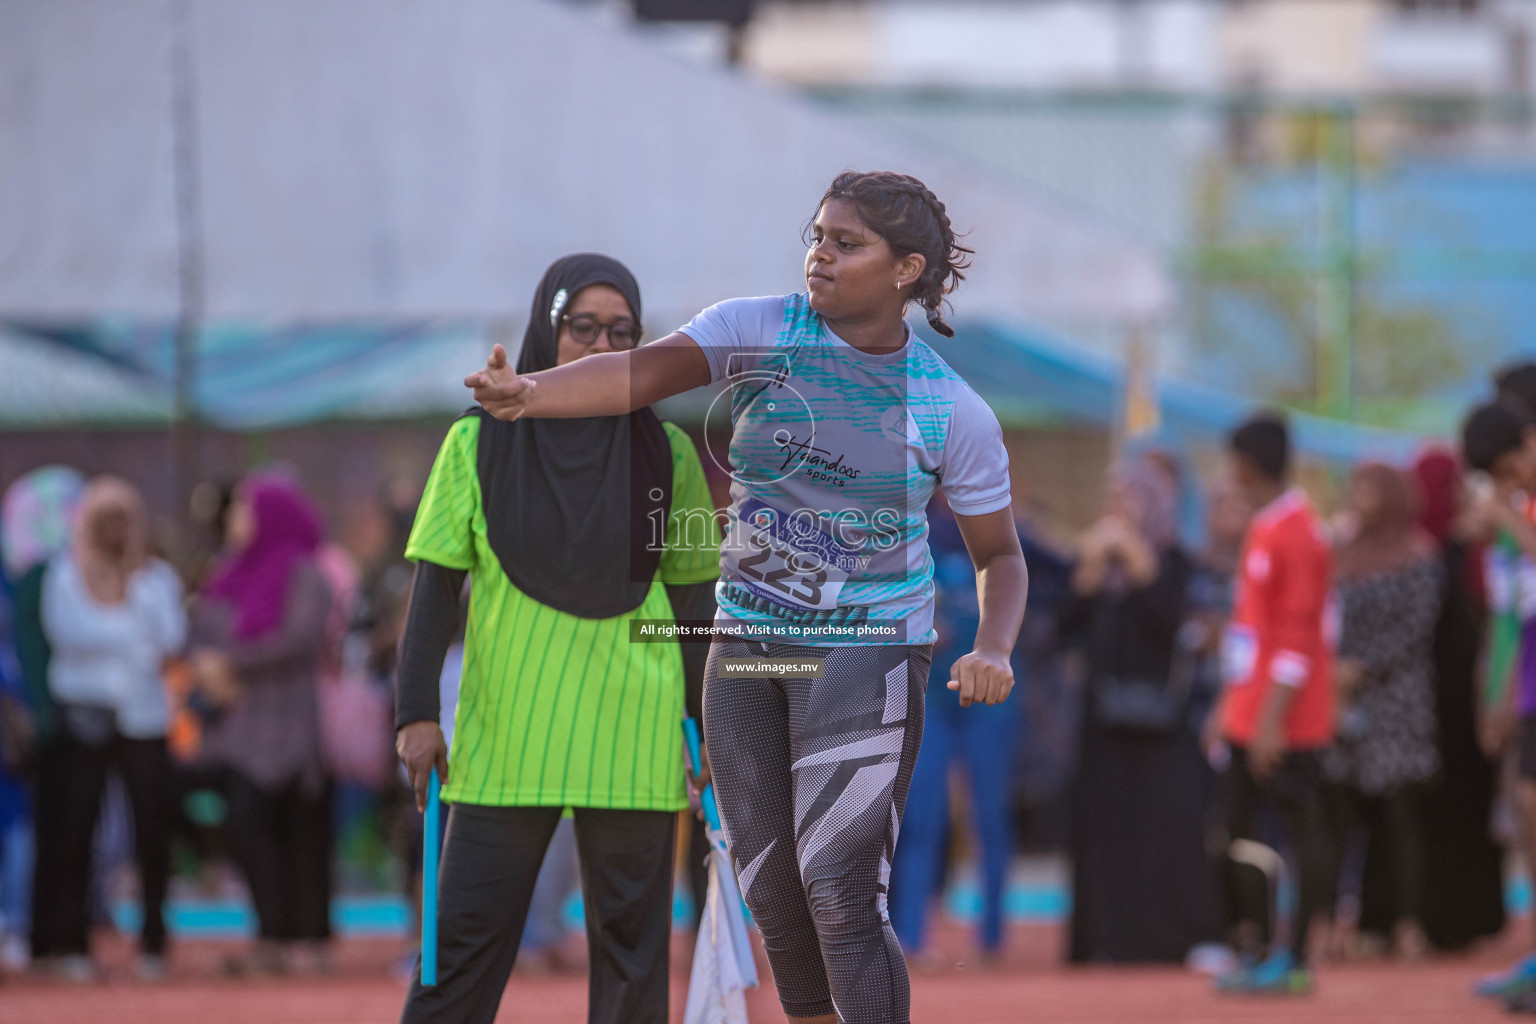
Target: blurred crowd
x,y
225,719
1382,794
209,712
225,716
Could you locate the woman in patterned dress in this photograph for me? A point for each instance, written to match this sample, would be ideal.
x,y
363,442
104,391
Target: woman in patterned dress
x,y
1388,581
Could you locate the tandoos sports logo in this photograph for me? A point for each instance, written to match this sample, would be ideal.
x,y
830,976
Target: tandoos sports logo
x,y
817,462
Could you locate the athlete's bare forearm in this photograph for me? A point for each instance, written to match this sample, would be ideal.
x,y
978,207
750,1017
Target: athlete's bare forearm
x,y
607,384
1002,578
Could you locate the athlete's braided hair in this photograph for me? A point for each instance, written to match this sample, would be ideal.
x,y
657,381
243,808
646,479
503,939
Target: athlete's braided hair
x,y
911,219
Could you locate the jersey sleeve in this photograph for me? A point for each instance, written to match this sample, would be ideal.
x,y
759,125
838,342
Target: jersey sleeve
x,y
735,333
692,553
973,471
1509,579
1498,579
444,532
1299,576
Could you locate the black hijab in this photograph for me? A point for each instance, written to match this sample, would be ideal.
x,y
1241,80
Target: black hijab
x,y
570,503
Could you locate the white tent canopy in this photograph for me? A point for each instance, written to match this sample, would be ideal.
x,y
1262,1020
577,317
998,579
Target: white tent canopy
x,y
406,159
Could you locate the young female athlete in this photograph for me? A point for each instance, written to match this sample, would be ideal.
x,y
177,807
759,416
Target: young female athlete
x,y
843,426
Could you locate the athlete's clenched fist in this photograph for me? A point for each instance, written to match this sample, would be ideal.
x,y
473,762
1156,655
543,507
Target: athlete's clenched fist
x,y
981,679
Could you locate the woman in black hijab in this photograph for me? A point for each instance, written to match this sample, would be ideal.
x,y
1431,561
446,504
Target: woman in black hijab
x,y
567,529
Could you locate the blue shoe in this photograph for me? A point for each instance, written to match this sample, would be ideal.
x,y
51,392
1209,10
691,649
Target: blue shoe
x,y
1518,980
1278,975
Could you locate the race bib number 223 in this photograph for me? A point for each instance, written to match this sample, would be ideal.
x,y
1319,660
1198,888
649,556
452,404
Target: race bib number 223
x,y
784,559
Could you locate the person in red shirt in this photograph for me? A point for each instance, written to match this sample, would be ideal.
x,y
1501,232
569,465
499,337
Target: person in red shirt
x,y
1277,713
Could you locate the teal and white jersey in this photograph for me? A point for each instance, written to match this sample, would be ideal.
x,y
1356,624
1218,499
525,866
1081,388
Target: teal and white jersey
x,y
834,456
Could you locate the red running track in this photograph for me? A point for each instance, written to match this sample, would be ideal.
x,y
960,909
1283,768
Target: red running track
x,y
1028,985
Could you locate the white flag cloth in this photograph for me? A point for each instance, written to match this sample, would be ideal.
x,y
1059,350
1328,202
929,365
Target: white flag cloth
x,y
723,968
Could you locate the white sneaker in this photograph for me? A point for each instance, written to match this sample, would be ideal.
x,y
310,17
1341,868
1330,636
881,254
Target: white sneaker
x,y
77,969
1211,958
15,954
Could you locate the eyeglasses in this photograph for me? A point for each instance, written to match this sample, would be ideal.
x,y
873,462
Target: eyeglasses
x,y
585,330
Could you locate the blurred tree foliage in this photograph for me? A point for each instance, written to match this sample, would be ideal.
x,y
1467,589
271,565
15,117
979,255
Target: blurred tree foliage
x,y
1258,291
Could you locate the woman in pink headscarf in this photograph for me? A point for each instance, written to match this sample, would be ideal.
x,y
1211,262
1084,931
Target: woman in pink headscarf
x,y
259,641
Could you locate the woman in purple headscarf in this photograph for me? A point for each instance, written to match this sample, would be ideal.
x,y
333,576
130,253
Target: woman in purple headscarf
x,y
259,637
1142,888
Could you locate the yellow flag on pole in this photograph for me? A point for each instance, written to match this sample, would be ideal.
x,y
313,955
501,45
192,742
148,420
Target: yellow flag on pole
x,y
1141,414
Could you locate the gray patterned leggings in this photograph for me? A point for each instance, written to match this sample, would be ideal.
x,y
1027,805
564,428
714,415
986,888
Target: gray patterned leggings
x,y
812,775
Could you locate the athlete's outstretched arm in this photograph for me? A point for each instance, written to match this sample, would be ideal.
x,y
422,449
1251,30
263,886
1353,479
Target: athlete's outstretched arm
x,y
607,384
1002,586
